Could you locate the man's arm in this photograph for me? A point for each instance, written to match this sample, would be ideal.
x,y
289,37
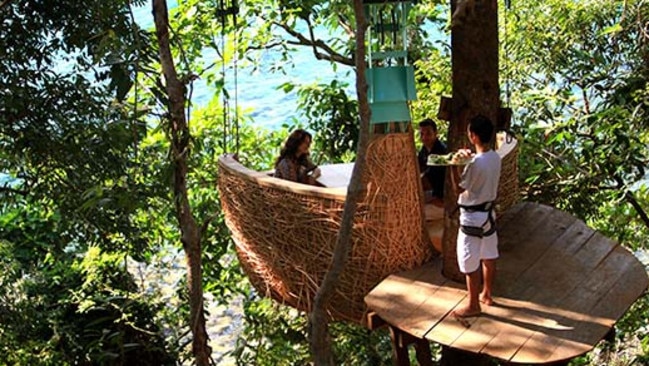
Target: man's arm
x,y
457,171
456,178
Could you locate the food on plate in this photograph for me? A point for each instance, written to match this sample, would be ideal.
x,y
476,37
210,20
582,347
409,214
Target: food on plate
x,y
454,158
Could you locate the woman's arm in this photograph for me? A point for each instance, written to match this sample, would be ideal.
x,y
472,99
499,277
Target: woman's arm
x,y
310,167
308,164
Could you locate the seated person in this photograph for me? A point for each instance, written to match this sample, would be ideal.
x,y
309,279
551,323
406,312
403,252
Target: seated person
x,y
293,162
432,177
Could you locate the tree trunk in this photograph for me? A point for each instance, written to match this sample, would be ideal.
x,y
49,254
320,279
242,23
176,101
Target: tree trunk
x,y
474,58
319,320
190,233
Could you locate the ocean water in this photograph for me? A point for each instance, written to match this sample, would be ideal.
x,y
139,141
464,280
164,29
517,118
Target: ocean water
x,y
257,94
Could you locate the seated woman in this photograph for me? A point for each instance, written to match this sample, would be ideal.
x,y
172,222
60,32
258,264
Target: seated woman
x,y
293,162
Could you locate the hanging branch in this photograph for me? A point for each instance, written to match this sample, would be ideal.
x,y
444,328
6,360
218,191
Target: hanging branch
x,y
630,198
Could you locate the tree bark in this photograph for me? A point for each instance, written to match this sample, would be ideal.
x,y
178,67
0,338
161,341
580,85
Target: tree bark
x,y
474,58
180,138
318,320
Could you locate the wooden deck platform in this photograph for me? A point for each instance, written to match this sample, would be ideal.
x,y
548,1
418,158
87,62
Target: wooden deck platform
x,y
559,288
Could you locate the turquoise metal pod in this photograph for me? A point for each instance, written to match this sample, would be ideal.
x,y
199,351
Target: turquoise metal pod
x,y
391,81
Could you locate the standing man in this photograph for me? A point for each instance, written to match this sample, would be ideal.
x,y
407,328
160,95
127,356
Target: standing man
x,y
477,241
432,177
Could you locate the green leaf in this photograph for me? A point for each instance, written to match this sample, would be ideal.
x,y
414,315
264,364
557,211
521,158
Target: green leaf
x,y
616,28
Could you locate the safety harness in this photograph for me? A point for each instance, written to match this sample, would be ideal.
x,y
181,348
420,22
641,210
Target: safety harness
x,y
479,231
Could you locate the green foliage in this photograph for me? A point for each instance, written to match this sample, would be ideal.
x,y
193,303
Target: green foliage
x,y
276,335
92,169
68,307
273,335
582,112
432,63
356,345
62,136
333,117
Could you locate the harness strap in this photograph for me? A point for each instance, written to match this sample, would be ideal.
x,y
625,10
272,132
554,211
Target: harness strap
x,y
483,207
478,231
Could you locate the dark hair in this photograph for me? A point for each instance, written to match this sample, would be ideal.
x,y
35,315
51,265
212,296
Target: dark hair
x,y
292,143
482,127
428,123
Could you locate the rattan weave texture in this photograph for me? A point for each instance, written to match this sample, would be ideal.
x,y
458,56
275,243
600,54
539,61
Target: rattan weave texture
x,y
285,232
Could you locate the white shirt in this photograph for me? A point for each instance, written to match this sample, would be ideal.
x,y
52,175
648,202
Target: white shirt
x,y
480,179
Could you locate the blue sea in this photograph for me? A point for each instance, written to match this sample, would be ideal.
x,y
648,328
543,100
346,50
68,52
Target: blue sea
x,y
257,94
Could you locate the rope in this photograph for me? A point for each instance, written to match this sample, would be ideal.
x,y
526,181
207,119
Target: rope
x,y
508,4
510,132
228,125
235,10
221,14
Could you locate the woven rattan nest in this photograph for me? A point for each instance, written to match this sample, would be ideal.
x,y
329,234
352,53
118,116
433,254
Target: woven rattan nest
x,y
285,232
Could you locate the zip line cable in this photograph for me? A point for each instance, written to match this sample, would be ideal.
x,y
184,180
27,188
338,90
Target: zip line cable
x,y
508,4
236,58
229,126
222,13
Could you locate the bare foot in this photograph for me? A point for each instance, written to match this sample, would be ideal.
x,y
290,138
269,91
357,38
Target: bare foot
x,y
487,300
466,312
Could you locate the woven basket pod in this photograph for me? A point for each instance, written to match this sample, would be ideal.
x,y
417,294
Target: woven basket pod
x,y
285,232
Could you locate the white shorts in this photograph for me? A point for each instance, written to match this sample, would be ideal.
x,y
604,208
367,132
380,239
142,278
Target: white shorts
x,y
472,249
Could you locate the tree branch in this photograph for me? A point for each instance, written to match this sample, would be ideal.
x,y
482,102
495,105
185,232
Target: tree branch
x,y
629,197
345,26
330,55
190,235
320,341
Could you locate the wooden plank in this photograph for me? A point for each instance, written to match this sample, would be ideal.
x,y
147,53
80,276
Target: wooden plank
x,y
595,250
511,231
514,321
549,280
434,309
512,213
628,288
574,311
448,329
559,289
481,331
534,237
515,329
548,277
399,350
529,320
394,298
373,321
610,303
570,308
531,218
549,272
